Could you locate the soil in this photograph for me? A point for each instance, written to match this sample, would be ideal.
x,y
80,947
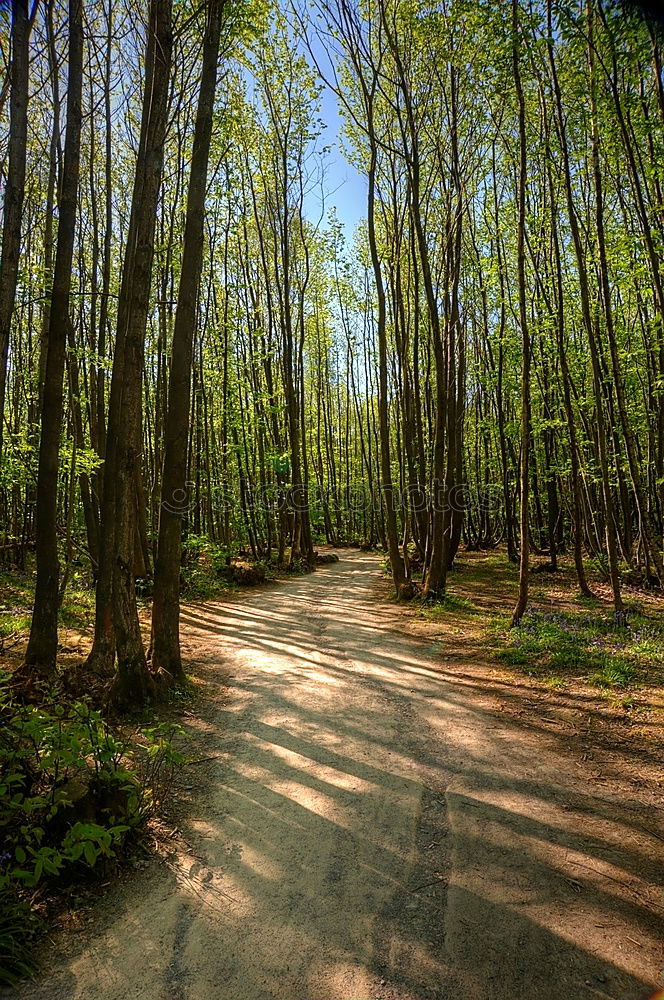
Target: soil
x,y
376,811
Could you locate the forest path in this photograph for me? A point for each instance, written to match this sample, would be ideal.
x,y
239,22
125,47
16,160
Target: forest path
x,y
370,827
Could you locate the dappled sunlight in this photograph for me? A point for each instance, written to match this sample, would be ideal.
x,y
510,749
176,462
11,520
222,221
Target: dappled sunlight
x,y
369,826
203,828
275,664
310,799
316,678
260,863
322,772
301,767
559,821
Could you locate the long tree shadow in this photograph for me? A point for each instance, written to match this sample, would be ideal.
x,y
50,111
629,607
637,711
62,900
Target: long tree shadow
x,y
366,828
287,762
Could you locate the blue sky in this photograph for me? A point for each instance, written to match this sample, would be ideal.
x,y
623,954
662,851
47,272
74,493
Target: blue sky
x,y
345,188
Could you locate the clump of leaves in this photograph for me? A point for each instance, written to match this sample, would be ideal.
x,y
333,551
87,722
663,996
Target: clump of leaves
x,y
591,646
614,672
298,567
17,590
72,791
203,566
78,605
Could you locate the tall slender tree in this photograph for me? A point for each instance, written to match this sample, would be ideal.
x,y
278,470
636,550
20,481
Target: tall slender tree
x,y
41,653
117,627
524,533
14,186
166,605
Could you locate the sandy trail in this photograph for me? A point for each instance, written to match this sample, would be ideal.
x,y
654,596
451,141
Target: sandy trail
x,y
372,829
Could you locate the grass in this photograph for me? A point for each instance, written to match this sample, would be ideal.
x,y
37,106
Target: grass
x,y
16,591
432,610
202,585
556,646
13,622
17,594
78,607
184,694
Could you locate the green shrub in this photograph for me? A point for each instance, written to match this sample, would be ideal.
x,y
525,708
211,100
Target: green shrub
x,y
203,565
433,608
513,657
614,672
13,622
71,792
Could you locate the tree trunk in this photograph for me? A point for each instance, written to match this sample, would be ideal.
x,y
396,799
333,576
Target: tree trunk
x,y
41,653
522,599
645,529
610,525
14,187
166,654
116,624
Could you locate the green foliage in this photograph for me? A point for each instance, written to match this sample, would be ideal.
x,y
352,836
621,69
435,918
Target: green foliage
x,y
159,762
71,792
281,465
590,646
442,605
614,672
18,926
12,623
203,563
16,589
78,606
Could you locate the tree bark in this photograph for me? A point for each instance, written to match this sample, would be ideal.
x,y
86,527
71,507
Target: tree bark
x,y
14,188
522,598
166,655
116,624
645,529
602,451
40,657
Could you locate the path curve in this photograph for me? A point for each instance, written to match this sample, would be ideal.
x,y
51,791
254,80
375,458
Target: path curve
x,y
369,828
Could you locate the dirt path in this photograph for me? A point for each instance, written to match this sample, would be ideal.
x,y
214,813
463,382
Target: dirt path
x,y
372,828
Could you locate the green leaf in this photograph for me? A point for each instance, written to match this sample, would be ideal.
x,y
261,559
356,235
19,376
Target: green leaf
x,y
90,853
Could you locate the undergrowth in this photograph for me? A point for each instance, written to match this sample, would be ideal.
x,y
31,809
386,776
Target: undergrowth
x,y
433,609
209,571
74,794
203,563
16,597
557,645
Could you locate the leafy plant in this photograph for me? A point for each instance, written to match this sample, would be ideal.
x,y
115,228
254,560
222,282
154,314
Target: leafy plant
x,y
203,565
448,602
71,791
18,926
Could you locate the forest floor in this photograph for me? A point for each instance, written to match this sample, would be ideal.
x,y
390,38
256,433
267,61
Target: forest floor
x,y
377,808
